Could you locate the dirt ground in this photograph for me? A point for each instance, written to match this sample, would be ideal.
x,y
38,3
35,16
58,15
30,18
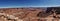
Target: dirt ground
x,y
19,14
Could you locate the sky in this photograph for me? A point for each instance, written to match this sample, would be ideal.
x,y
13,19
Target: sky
x,y
28,3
